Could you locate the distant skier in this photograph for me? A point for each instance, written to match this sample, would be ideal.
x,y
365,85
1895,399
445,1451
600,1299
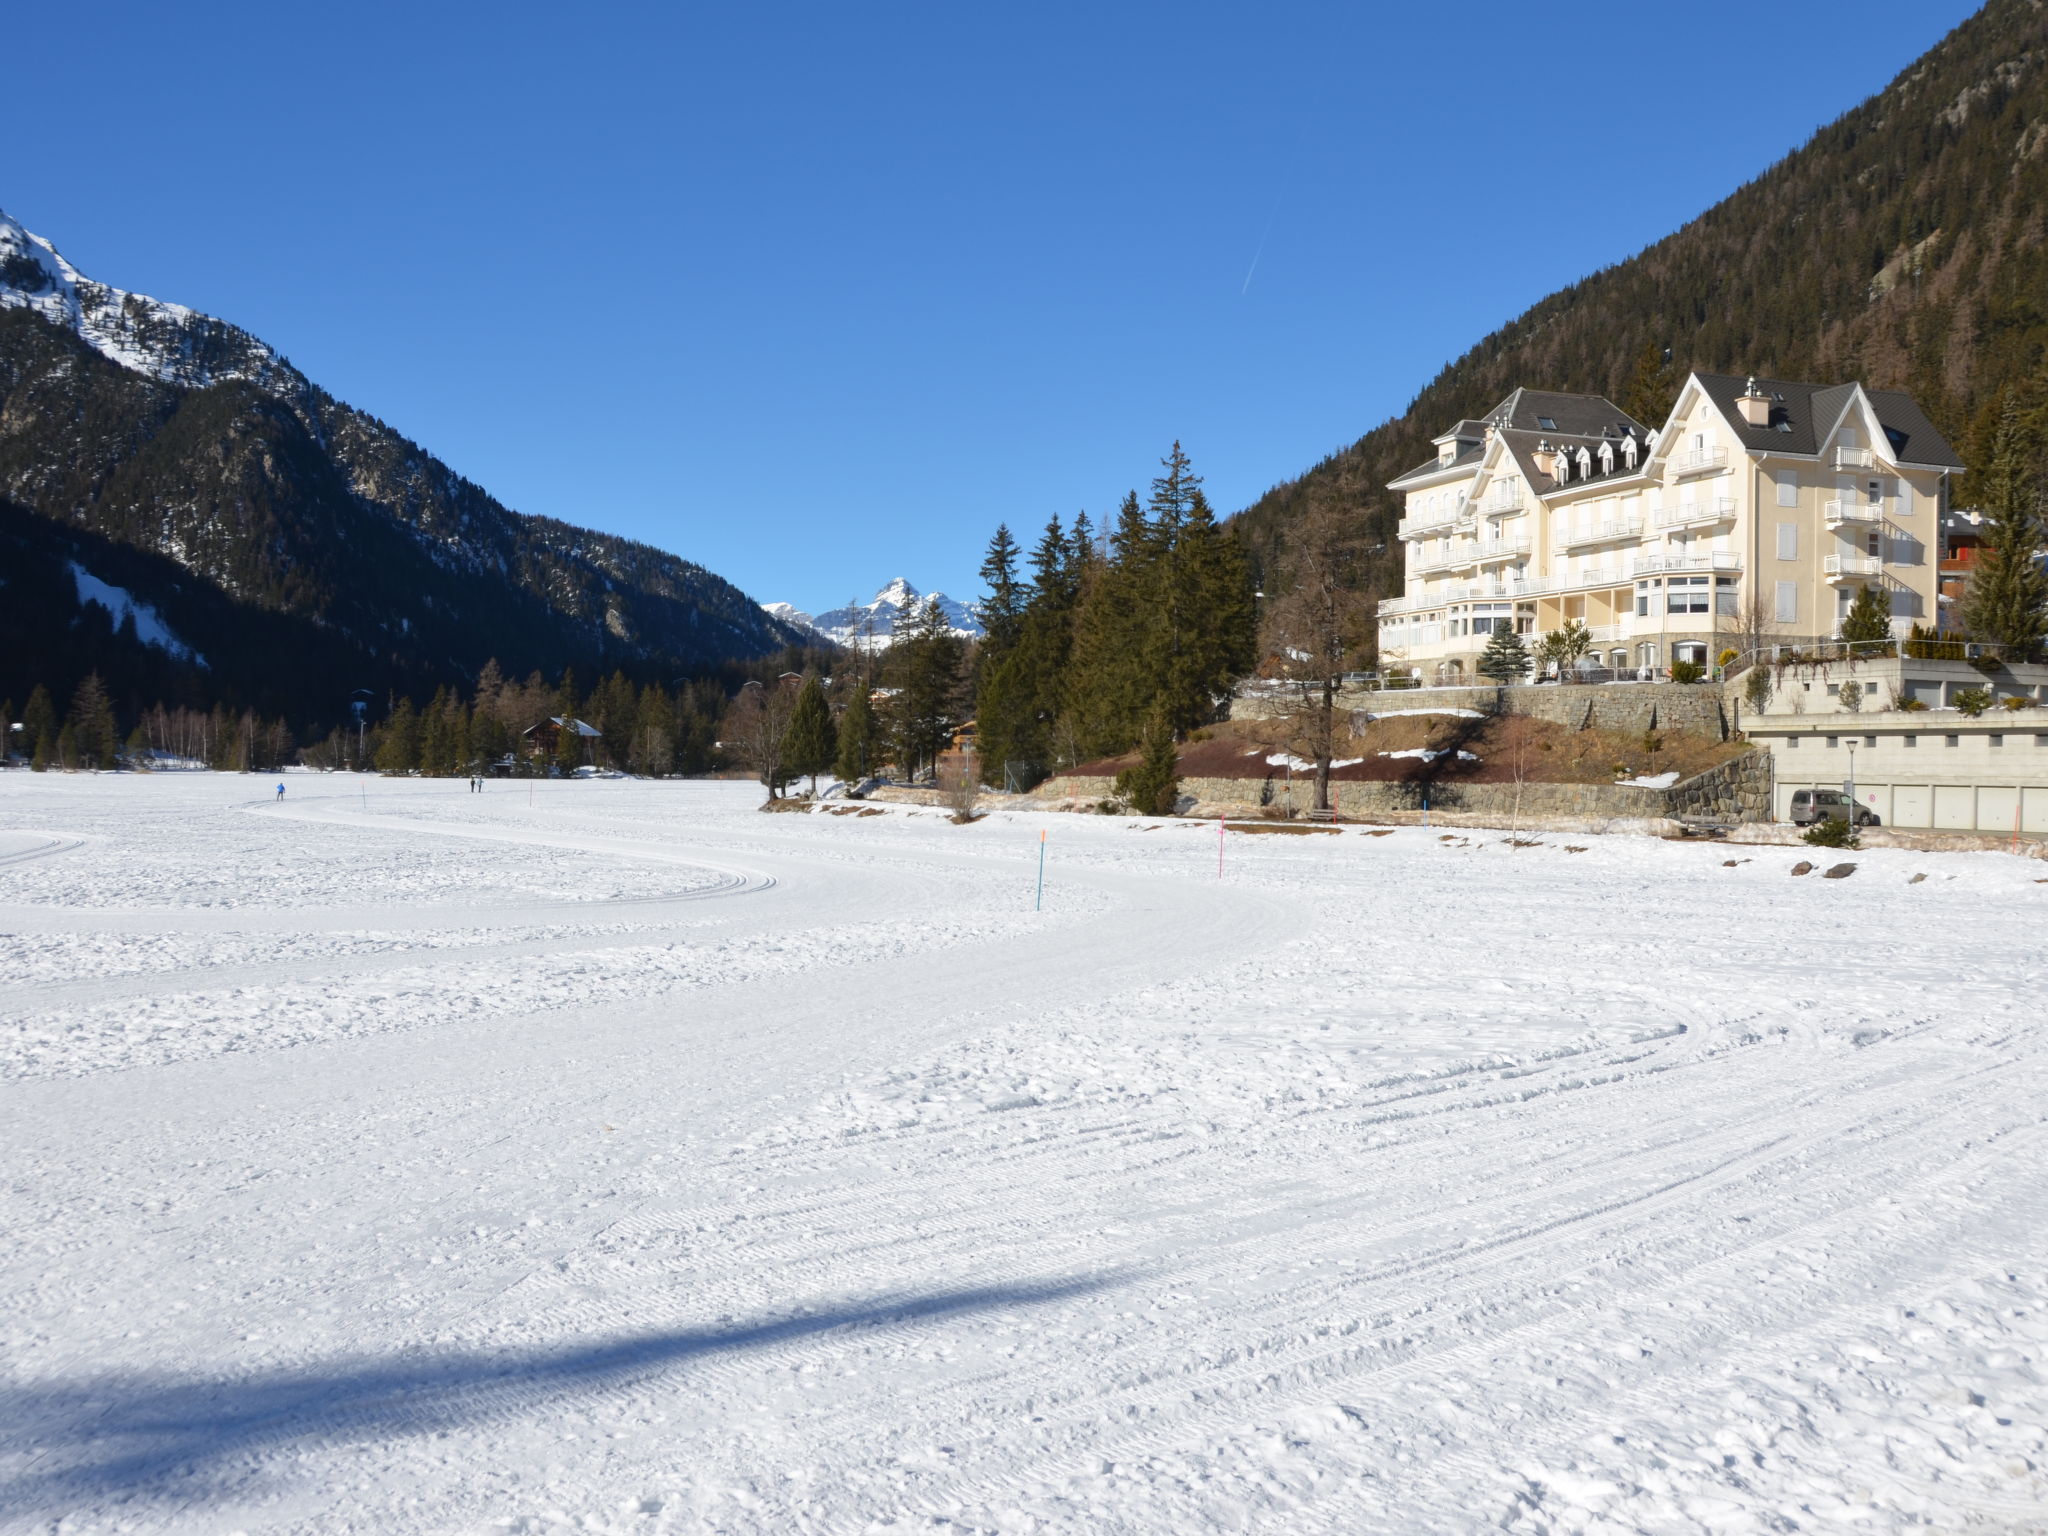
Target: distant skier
x,y
280,791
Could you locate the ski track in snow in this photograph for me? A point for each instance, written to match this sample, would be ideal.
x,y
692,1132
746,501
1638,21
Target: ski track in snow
x,y
399,1160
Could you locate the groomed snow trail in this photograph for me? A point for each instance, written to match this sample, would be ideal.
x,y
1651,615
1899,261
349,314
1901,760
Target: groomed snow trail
x,y
619,1159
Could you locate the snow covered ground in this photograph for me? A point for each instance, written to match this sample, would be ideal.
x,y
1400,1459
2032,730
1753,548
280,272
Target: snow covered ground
x,y
617,1159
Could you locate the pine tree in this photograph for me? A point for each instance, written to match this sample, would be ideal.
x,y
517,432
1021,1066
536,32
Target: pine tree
x,y
1002,611
398,743
1506,658
1648,396
91,723
1152,786
39,725
857,737
654,734
1209,608
809,744
2007,598
1869,616
924,666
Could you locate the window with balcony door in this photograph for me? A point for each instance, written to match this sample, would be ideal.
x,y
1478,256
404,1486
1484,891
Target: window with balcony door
x,y
1724,596
1686,594
1873,493
1646,599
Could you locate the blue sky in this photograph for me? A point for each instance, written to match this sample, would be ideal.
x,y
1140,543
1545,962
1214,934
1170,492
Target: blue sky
x,y
817,295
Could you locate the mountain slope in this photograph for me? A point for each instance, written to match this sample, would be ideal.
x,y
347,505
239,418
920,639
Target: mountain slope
x,y
130,424
1905,245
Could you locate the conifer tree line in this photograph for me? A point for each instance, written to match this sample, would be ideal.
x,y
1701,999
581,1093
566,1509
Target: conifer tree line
x,y
641,728
1095,642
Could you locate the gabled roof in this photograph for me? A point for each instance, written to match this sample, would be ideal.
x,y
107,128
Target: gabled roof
x,y
1466,458
573,726
1586,418
1802,415
1593,416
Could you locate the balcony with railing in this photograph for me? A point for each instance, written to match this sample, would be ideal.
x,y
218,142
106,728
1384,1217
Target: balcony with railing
x,y
1499,549
1598,533
1724,561
1840,568
1840,513
1700,461
1703,513
1424,525
1500,501
1855,458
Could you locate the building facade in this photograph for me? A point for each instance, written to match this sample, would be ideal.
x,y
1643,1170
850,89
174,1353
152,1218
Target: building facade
x,y
1752,515
1893,727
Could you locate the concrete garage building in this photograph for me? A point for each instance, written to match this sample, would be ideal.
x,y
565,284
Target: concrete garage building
x,y
1931,766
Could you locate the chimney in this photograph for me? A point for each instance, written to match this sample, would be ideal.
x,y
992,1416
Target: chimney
x,y
1754,404
1545,459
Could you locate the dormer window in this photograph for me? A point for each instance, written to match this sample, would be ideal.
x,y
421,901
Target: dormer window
x,y
1607,458
1564,466
1628,450
1585,462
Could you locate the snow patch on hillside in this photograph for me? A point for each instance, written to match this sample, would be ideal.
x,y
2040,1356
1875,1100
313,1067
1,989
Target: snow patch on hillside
x,y
150,627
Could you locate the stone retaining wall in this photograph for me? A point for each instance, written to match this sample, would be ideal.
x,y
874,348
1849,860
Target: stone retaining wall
x,y
1631,707
1738,790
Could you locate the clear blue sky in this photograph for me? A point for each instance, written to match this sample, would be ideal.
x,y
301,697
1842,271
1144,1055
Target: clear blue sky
x,y
817,294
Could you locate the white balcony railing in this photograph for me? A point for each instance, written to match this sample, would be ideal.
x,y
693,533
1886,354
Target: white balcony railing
x,y
1655,565
1855,458
1500,502
1423,523
1499,549
1840,512
1701,461
1599,533
1693,514
1848,567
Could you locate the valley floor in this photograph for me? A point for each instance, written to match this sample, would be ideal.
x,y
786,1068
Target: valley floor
x,y
608,1157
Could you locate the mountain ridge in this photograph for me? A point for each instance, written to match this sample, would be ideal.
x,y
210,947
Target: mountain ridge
x,y
874,622
128,421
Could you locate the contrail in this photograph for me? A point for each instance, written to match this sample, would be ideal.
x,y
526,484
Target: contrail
x,y
1247,288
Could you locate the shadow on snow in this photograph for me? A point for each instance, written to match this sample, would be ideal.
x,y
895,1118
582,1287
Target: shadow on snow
x,y
143,1437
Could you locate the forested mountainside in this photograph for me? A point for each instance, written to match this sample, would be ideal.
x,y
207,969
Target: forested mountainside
x,y
280,546
1905,245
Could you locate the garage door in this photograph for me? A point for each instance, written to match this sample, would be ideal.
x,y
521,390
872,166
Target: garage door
x,y
1998,809
1955,806
2034,811
1912,806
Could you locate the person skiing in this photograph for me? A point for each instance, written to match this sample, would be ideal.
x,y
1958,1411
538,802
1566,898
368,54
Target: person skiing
x,y
280,791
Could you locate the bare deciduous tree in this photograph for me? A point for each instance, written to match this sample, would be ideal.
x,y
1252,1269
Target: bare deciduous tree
x,y
1311,632
754,726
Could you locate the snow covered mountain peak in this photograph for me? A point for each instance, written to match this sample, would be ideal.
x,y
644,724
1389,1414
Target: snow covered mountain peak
x,y
165,341
874,622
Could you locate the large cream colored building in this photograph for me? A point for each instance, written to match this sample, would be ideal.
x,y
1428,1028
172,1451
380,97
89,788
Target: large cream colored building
x,y
1759,507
